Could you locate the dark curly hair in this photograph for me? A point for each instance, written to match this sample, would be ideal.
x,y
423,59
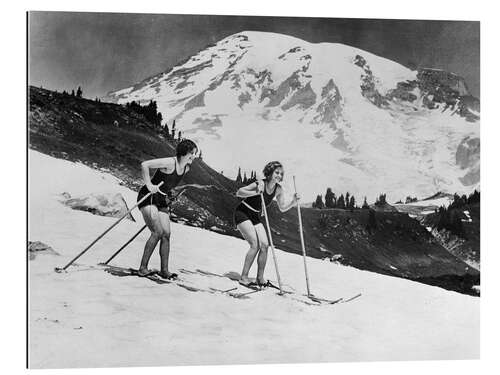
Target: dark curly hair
x,y
184,147
270,168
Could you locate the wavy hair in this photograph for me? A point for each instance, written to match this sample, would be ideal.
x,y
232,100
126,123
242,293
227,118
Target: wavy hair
x,y
270,168
184,147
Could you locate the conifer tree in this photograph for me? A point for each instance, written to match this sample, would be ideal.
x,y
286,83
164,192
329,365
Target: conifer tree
x,y
329,198
352,202
319,202
365,204
238,178
341,202
79,92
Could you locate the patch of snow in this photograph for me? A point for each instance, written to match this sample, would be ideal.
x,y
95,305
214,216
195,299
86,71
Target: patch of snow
x,y
90,318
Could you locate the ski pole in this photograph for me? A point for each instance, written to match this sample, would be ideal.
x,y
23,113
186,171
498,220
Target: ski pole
x,y
271,242
124,246
57,269
301,231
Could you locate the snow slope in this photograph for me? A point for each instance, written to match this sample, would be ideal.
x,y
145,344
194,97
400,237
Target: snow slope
x,y
254,97
90,318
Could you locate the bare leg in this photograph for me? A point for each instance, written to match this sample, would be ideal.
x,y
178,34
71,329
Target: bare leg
x,y
262,258
247,230
165,245
152,219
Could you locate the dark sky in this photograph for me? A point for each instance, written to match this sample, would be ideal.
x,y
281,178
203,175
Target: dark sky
x,y
107,51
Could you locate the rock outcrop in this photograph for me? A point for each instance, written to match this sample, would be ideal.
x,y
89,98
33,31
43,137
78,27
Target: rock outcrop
x,y
106,204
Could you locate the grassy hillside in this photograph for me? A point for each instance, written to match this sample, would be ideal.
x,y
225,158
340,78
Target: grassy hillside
x,y
83,130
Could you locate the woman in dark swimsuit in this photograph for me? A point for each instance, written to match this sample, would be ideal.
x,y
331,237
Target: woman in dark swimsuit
x,y
155,209
247,217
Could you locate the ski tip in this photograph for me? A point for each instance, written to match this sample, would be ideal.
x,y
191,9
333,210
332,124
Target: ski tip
x,y
60,270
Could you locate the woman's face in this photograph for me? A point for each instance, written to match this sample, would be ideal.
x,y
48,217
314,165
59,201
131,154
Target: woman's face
x,y
277,175
190,156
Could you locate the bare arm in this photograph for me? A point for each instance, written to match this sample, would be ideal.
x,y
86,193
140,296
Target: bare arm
x,y
281,201
250,190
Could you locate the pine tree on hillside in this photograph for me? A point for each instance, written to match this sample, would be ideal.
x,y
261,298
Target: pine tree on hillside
x,y
347,199
341,202
329,198
365,204
245,179
352,202
381,200
72,92
319,202
159,119
252,177
474,197
238,177
79,92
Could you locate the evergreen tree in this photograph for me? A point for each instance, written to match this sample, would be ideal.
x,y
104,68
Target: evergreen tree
x,y
166,131
365,204
474,197
245,179
238,178
352,202
341,202
72,92
380,200
159,119
329,198
79,92
347,199
319,202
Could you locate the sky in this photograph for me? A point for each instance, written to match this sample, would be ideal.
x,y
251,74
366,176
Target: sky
x,y
102,52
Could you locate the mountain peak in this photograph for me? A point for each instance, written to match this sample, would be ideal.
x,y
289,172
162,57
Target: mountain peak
x,y
381,126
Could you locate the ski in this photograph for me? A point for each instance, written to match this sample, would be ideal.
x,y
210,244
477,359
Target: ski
x,y
323,300
352,298
153,276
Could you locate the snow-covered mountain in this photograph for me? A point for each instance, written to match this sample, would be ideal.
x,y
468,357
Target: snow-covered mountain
x,y
335,115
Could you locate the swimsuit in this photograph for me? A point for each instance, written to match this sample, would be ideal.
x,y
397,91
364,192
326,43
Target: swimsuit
x,y
250,207
162,198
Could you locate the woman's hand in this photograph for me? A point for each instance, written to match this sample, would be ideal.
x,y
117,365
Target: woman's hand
x,y
260,187
296,198
153,188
